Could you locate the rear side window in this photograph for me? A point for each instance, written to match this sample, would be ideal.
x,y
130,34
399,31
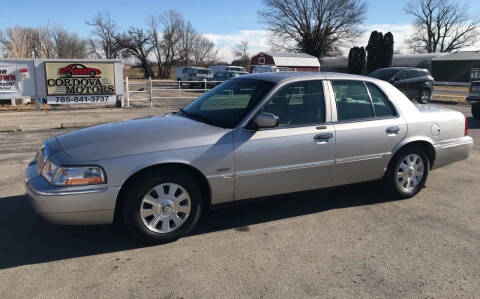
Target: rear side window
x,y
424,73
413,74
352,99
402,75
381,105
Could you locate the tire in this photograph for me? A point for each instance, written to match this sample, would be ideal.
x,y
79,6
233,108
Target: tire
x,y
476,110
68,74
398,185
142,191
424,96
92,74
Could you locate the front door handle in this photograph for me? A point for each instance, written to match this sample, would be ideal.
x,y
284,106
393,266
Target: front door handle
x,y
393,130
323,138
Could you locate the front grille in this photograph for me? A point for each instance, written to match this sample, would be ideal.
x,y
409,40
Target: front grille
x,y
40,159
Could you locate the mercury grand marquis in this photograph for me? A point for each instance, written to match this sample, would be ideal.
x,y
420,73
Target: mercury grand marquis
x,y
253,136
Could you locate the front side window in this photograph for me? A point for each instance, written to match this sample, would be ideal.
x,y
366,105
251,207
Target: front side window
x,y
381,104
227,104
352,100
297,104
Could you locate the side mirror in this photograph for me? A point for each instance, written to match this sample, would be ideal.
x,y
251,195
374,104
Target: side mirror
x,y
266,120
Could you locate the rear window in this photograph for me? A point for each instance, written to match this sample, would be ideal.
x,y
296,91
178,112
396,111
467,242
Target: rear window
x,y
353,101
424,73
381,104
383,74
413,74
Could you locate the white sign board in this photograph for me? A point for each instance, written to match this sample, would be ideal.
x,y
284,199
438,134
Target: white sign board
x,y
8,79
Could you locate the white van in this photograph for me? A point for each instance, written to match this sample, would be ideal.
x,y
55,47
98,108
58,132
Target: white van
x,y
226,68
193,73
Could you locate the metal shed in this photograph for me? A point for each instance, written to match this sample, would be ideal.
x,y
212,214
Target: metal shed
x,y
455,67
296,61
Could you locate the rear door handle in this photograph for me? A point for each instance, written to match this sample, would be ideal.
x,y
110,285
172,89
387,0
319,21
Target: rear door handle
x,y
393,130
323,138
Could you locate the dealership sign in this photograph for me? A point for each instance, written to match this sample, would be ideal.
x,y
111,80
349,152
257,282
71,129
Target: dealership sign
x,y
10,75
77,83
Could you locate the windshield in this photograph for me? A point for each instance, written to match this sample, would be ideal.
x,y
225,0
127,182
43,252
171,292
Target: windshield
x,y
384,74
204,72
226,105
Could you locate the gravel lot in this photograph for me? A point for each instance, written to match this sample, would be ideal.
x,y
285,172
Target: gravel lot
x,y
348,242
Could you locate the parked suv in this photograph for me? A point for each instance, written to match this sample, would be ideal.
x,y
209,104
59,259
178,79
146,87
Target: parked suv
x,y
474,98
413,82
191,73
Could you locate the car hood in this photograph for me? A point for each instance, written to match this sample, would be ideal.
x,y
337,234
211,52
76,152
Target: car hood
x,y
146,135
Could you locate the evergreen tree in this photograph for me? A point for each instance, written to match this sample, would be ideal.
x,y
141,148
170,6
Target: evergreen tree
x,y
388,42
356,61
380,51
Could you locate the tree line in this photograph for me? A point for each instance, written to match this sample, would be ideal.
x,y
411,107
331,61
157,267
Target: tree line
x,y
166,40
317,27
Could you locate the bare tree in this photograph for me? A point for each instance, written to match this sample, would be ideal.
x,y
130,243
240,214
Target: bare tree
x,y
136,43
202,49
315,27
43,42
67,45
241,53
170,47
105,29
442,26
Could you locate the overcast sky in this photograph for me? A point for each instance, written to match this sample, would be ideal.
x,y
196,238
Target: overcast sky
x,y
225,22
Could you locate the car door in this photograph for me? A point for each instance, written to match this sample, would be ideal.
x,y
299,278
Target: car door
x,y
295,156
401,82
367,129
415,83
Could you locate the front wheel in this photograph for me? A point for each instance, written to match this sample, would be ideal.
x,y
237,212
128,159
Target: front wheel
x,y
424,96
476,110
407,172
162,206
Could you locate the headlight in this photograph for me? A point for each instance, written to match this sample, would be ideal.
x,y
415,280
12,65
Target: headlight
x,y
49,169
72,176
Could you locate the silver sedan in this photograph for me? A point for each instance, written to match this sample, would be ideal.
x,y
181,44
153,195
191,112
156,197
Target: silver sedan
x,y
253,136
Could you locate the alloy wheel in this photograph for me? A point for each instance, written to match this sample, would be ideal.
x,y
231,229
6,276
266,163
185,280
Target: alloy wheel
x,y
409,172
165,208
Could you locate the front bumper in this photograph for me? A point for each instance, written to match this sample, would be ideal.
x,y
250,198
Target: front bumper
x,y
454,150
70,205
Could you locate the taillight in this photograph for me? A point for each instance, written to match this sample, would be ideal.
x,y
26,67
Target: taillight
x,y
466,126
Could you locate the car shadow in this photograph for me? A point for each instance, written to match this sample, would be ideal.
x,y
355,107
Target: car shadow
x,y
27,239
473,123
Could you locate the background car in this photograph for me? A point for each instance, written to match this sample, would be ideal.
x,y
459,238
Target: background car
x,y
474,98
415,83
191,73
220,77
79,70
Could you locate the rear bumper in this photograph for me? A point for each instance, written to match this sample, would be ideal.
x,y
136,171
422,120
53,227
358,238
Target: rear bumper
x,y
453,150
473,99
95,205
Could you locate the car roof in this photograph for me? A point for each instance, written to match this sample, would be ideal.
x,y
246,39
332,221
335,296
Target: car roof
x,y
401,68
278,77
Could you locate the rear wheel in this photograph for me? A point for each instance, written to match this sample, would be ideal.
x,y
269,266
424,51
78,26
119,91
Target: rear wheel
x,y
92,74
162,205
407,172
476,110
424,96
